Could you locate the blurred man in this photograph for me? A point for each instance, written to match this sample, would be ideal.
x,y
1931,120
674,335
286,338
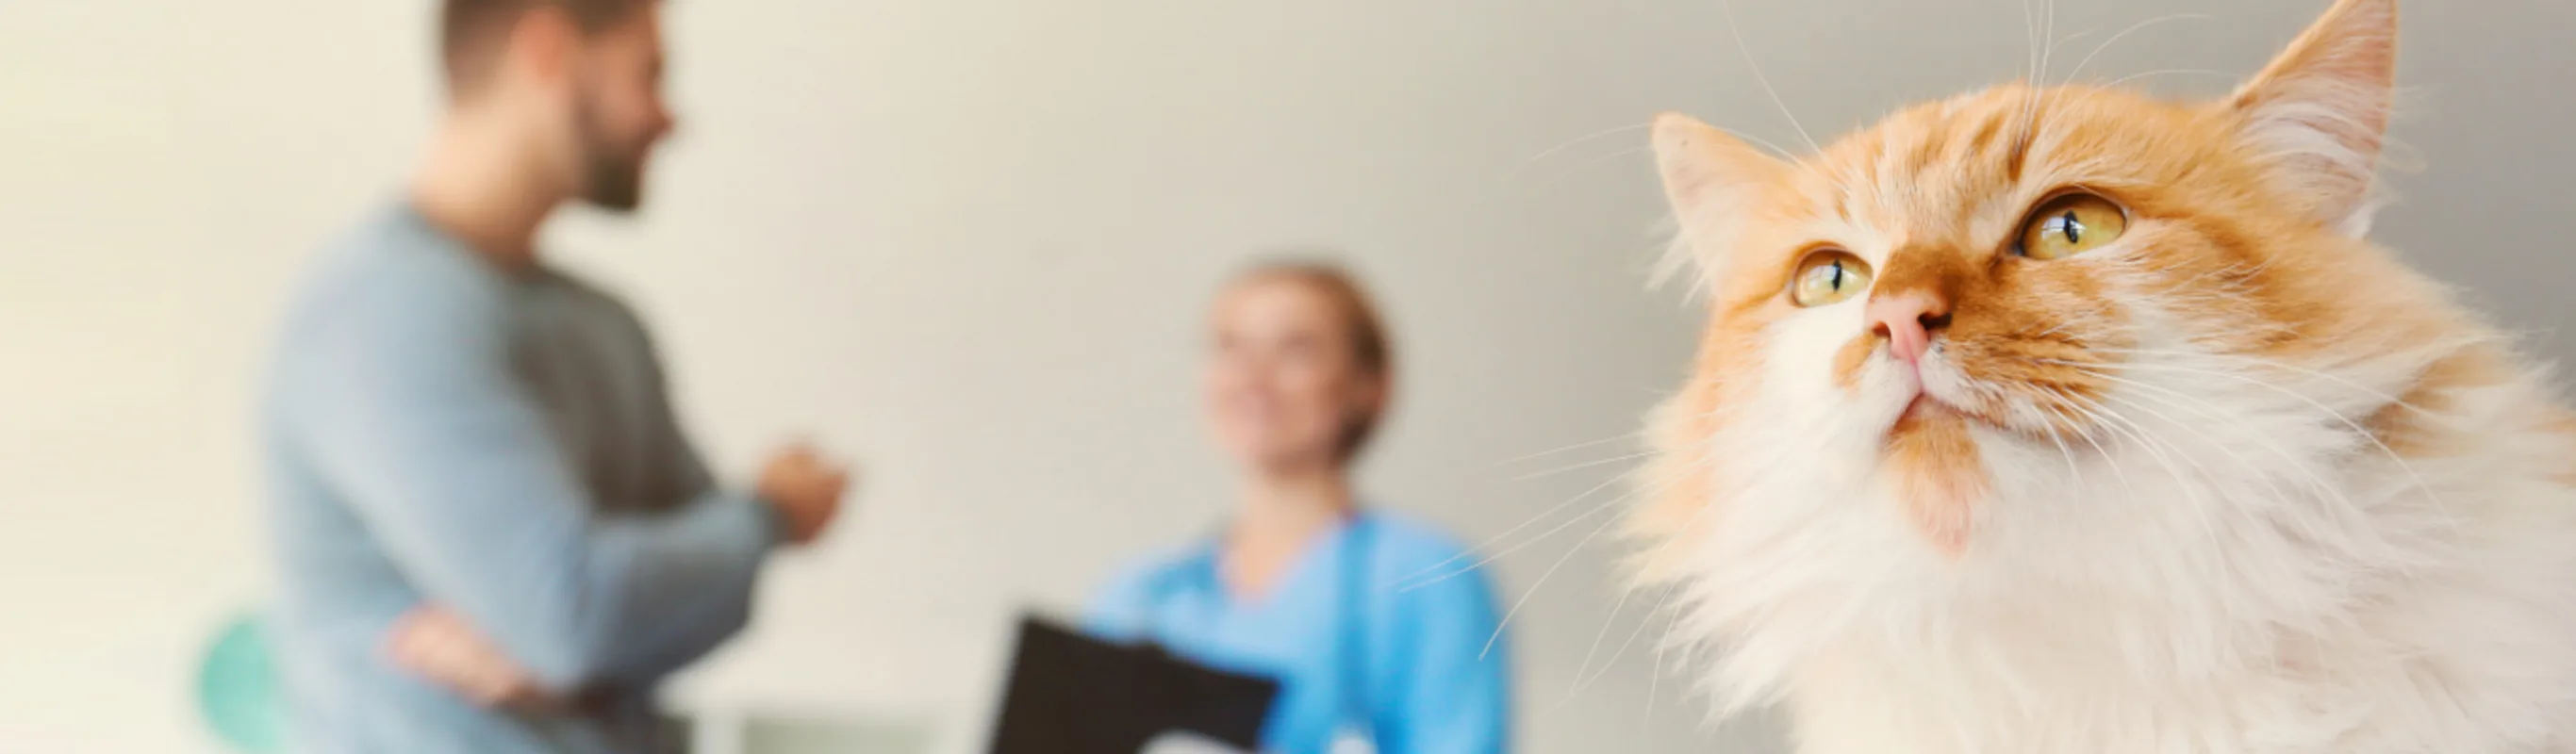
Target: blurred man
x,y
494,536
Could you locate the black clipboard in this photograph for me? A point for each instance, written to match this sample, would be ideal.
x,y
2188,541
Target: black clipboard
x,y
1074,694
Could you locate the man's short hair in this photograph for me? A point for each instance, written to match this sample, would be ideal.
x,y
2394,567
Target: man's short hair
x,y
471,31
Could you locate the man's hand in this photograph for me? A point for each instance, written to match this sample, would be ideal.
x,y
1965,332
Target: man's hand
x,y
439,646
806,491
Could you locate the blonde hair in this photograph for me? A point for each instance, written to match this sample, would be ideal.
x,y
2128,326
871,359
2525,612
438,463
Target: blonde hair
x,y
1364,332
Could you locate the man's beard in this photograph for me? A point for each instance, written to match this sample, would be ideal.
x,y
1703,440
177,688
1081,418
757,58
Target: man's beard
x,y
612,176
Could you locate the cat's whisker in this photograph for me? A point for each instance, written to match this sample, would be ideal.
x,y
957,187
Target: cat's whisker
x,y
2115,83
1551,151
1585,676
1759,142
2190,485
2078,73
1661,551
2205,439
2061,405
2089,411
2276,364
2286,456
2318,483
1662,606
1561,560
2039,29
2047,33
2061,326
2193,284
2057,436
1582,466
2185,401
1507,534
1621,437
1427,576
2064,322
1417,580
1597,638
1581,682
2363,432
1663,609
2074,468
2030,36
2315,482
2121,424
1655,680
2052,45
1732,28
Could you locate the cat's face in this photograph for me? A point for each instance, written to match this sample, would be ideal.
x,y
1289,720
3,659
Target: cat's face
x,y
1919,308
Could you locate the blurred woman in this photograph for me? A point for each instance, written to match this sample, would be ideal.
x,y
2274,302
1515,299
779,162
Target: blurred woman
x,y
1381,634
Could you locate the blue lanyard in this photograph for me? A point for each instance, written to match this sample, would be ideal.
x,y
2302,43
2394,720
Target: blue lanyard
x,y
1351,637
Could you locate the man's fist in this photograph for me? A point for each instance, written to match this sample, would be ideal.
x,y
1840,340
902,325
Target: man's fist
x,y
805,489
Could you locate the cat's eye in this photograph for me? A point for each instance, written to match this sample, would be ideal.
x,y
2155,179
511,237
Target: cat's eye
x,y
2070,225
1828,276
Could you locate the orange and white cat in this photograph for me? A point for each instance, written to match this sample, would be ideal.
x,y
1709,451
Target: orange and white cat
x,y
2068,420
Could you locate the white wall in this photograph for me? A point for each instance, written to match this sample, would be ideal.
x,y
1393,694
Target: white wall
x,y
968,241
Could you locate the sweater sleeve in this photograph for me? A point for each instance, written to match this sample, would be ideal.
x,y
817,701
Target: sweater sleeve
x,y
406,405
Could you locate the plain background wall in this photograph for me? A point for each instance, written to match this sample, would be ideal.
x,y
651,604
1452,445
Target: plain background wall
x,y
968,240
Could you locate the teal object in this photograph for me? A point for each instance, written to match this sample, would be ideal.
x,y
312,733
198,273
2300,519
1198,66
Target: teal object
x,y
237,689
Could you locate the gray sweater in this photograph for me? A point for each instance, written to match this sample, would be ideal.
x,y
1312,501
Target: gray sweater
x,y
439,430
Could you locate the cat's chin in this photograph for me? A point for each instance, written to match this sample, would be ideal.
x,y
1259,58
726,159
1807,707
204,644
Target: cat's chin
x,y
1926,408
1923,411
1938,470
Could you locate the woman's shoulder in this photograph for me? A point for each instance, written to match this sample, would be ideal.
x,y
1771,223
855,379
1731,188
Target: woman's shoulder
x,y
1134,584
1160,568
1156,565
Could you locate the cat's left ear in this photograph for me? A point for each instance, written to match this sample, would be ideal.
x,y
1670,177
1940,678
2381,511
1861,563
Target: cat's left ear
x,y
2319,113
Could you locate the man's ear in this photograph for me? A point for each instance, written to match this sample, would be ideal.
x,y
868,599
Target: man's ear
x,y
542,45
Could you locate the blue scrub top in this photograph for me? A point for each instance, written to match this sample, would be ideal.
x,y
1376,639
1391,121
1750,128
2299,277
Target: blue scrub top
x,y
1357,638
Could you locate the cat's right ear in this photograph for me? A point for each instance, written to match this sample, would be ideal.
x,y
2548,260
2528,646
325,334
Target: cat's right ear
x,y
1712,179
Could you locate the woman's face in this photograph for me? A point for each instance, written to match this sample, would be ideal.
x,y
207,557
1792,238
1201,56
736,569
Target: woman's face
x,y
1283,382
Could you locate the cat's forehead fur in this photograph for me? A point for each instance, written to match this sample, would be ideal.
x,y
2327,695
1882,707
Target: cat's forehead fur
x,y
1960,176
1962,170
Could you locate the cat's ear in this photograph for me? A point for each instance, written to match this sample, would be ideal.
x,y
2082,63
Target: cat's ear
x,y
2319,113
1711,178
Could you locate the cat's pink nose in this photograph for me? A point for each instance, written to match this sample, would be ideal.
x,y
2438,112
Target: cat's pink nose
x,y
1907,320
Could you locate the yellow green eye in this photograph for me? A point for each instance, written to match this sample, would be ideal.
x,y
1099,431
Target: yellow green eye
x,y
2071,225
1828,276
